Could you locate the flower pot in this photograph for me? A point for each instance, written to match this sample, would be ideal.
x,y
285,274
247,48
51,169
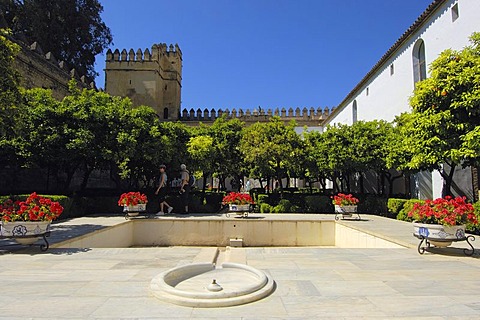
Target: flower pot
x,y
346,211
239,207
24,232
437,234
134,210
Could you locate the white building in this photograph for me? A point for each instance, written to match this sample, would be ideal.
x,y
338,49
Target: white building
x,y
385,90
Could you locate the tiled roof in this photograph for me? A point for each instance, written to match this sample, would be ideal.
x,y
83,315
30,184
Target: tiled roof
x,y
412,29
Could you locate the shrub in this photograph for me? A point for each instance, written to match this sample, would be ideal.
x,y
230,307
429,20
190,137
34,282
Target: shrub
x,y
283,206
394,206
262,198
265,208
373,204
475,228
214,200
318,204
407,207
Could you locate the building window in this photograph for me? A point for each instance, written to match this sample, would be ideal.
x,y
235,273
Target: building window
x,y
455,12
392,69
354,111
165,113
419,63
367,91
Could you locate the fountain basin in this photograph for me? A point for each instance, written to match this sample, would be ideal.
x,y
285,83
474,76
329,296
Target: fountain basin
x,y
188,285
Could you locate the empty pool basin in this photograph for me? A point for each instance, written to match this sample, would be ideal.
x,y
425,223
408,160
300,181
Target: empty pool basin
x,y
206,285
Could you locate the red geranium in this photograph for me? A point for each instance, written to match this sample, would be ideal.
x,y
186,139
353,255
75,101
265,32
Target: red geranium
x,y
446,211
344,200
237,198
132,199
34,208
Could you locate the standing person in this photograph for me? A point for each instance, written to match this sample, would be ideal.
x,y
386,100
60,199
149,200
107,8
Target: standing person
x,y
184,186
162,191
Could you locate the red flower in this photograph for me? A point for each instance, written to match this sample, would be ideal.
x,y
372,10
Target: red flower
x,y
445,211
132,199
237,198
344,200
34,208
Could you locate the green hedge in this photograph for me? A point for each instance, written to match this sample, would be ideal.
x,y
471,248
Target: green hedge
x,y
318,204
394,206
266,208
373,204
284,206
407,207
262,198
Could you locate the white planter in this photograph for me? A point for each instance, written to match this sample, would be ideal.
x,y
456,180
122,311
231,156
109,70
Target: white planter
x,y
437,234
134,210
24,232
239,207
346,210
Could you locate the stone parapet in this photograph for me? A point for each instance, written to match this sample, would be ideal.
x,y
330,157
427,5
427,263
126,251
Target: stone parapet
x,y
43,70
303,116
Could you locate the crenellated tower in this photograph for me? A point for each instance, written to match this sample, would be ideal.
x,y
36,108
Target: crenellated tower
x,y
152,78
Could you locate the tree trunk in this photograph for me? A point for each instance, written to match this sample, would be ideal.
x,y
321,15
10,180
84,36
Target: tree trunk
x,y
86,175
361,182
204,185
447,179
323,184
335,183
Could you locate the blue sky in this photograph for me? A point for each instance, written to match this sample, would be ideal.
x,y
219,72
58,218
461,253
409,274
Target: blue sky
x,y
268,53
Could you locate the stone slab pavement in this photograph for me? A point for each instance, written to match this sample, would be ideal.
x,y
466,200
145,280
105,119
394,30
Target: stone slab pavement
x,y
311,282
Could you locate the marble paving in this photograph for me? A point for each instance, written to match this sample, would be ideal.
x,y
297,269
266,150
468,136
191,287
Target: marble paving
x,y
311,282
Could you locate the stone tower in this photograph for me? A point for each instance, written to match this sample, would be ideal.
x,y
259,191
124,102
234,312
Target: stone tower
x,y
148,78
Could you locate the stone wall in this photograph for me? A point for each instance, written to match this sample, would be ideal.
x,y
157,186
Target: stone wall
x,y
303,117
40,70
152,78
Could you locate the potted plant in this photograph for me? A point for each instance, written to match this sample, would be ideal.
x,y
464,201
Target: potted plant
x,y
238,202
442,220
345,204
133,202
25,220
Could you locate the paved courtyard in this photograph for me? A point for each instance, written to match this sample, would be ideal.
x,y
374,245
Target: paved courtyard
x,y
311,282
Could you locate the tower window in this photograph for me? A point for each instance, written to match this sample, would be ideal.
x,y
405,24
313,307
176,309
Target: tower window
x,y
392,69
165,88
165,113
367,91
130,81
455,12
419,63
354,111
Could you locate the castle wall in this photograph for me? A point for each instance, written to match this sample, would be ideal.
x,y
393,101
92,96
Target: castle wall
x,y
383,94
310,117
147,78
39,70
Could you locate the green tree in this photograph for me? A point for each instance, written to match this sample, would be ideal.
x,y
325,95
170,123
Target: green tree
x,y
270,148
142,147
448,108
10,105
202,153
71,29
227,135
10,97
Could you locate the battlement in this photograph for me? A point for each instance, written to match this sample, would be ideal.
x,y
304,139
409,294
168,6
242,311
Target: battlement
x,y
302,116
43,70
155,54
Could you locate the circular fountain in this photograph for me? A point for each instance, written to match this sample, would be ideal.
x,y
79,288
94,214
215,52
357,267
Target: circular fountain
x,y
207,285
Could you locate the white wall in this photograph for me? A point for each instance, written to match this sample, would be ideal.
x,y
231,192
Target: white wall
x,y
389,94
